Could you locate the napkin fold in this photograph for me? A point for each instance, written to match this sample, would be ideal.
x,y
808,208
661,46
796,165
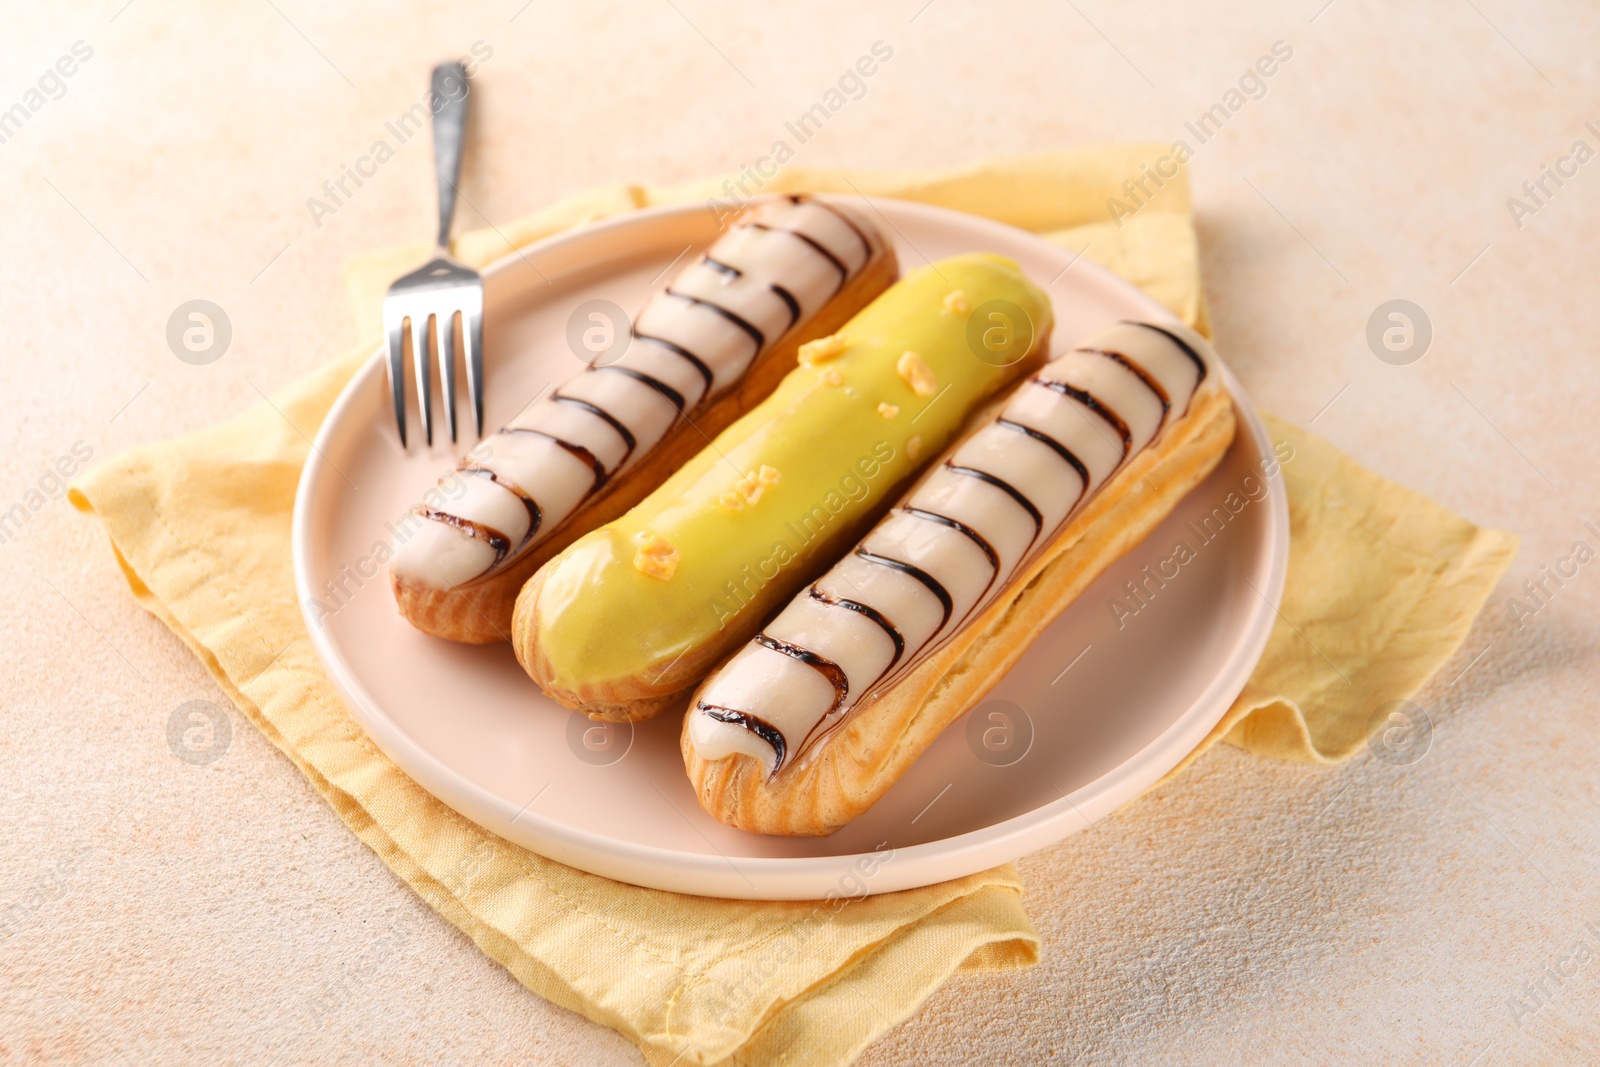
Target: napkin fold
x,y
1382,587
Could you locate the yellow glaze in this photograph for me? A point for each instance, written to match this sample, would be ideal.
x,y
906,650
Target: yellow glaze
x,y
826,460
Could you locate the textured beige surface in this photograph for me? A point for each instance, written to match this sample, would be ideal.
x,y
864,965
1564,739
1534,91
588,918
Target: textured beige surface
x,y
154,910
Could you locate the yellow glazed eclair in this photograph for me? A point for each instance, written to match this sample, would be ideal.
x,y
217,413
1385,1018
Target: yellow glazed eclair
x,y
703,351
814,718
631,616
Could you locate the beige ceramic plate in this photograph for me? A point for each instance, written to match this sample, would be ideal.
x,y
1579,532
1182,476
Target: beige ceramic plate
x,y
1095,712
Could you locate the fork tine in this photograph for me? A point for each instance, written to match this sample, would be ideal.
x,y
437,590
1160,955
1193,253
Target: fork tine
x,y
394,336
420,335
472,337
447,367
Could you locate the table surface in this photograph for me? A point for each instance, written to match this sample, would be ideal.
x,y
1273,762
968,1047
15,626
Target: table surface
x,y
1253,911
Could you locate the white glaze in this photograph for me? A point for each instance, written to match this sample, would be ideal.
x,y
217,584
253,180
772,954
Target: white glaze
x,y
765,246
796,698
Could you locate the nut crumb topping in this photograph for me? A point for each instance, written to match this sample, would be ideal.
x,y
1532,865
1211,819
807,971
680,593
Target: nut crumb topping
x,y
655,558
831,376
955,302
821,350
749,489
914,448
917,374
888,411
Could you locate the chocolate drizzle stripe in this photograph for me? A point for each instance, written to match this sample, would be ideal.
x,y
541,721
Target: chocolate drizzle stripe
x,y
1140,373
788,298
920,575
813,243
866,246
760,727
678,350
962,528
732,316
674,397
867,611
724,268
476,530
576,451
535,515
823,666
734,272
1090,401
1188,349
1060,449
611,420
1005,486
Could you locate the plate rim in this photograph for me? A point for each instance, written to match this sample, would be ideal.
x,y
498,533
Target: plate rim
x,y
796,877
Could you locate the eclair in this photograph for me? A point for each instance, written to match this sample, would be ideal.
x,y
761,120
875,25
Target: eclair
x,y
810,721
629,617
703,350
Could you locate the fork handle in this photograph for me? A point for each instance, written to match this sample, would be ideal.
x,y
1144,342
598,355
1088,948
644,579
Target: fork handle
x,y
449,100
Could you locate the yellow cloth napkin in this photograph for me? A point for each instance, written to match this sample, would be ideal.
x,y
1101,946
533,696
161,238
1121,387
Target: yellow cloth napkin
x,y
1382,587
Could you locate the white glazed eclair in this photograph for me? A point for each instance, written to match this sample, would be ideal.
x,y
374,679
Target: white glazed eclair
x,y
705,349
809,723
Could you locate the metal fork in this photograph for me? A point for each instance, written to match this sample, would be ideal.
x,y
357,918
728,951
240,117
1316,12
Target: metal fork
x,y
429,298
